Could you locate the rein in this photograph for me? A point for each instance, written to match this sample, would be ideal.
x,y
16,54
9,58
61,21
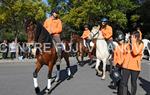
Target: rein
x,y
95,33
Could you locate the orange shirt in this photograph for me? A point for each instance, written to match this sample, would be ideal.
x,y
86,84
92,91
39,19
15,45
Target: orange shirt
x,y
85,34
119,54
53,26
107,32
132,59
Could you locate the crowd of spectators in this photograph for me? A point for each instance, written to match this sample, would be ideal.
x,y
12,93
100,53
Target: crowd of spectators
x,y
13,50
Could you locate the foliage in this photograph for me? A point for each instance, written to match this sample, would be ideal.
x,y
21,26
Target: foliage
x,y
118,17
145,17
73,13
91,11
13,13
134,18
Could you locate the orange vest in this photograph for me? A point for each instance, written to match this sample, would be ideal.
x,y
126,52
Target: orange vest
x,y
119,54
53,26
133,57
107,32
85,34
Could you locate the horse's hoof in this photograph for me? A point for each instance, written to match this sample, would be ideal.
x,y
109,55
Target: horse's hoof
x,y
97,74
69,77
37,90
47,91
102,78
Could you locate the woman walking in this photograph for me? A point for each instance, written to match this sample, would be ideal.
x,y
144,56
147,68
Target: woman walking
x,y
131,65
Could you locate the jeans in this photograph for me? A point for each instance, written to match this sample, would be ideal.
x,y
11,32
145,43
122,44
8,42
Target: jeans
x,y
124,81
57,41
4,55
13,55
111,46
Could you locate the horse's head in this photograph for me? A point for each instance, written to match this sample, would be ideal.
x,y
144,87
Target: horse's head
x,y
30,28
95,33
127,37
75,37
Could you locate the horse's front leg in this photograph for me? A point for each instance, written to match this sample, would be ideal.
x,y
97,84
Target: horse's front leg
x,y
66,57
98,72
35,75
57,72
104,68
79,57
49,76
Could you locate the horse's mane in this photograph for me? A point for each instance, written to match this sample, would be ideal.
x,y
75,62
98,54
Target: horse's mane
x,y
42,35
77,36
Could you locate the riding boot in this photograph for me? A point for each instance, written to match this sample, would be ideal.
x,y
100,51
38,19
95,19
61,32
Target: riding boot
x,y
88,46
59,53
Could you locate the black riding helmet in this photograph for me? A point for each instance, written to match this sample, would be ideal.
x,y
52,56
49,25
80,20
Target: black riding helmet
x,y
120,35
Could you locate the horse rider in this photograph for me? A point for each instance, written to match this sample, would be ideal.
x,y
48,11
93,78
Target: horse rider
x,y
54,26
85,36
107,33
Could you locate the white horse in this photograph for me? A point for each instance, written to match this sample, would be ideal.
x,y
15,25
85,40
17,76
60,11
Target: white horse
x,y
102,53
146,46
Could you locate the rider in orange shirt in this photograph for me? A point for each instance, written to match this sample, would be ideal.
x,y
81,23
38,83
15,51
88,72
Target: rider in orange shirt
x,y
107,33
85,35
54,27
86,32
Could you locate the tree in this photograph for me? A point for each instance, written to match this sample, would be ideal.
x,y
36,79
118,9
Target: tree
x,y
76,13
13,13
115,10
145,17
90,11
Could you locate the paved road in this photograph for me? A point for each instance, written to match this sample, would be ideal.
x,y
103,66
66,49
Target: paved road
x,y
16,79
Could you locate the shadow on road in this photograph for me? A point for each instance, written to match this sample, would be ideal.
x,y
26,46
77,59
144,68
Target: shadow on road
x,y
63,77
145,85
84,62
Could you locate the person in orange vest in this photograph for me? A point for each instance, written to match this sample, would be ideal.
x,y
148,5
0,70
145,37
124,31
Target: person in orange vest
x,y
107,33
54,26
118,60
131,65
85,36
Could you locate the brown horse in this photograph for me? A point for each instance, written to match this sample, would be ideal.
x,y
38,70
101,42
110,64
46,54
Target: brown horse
x,y
81,49
36,33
